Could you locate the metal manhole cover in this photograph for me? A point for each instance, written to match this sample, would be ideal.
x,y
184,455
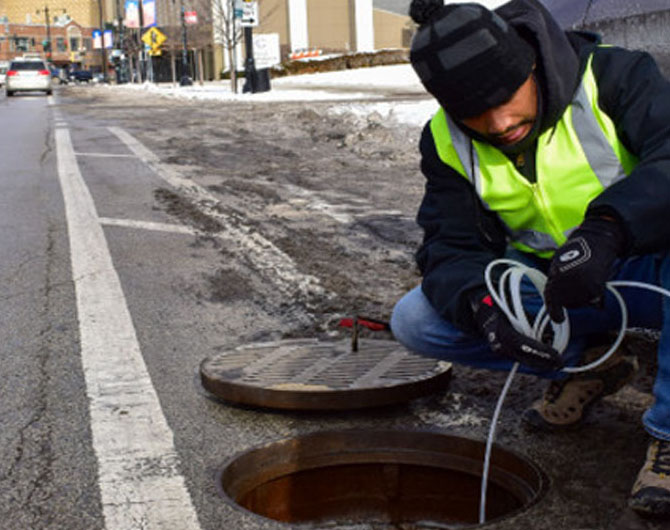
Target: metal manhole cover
x,y
310,374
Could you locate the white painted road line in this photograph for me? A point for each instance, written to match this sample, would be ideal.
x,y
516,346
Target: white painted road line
x,y
149,225
138,468
106,155
276,266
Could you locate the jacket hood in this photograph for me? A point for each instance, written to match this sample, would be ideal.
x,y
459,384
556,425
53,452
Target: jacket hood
x,y
559,55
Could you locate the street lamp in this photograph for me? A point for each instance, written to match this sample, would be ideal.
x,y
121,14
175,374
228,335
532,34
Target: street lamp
x,y
103,51
185,78
121,63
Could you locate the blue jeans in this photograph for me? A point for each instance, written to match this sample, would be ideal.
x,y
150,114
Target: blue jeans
x,y
420,328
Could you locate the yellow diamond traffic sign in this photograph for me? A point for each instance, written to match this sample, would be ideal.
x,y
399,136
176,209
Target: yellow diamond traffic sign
x,y
153,37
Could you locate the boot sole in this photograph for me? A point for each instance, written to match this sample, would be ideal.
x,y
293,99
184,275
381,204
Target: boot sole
x,y
658,507
535,422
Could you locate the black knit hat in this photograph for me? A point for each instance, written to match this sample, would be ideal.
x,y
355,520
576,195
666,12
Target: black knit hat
x,y
467,56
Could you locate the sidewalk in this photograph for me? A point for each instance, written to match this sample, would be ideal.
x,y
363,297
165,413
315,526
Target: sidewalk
x,y
371,88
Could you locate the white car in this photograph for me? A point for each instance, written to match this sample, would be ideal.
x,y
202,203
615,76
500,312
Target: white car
x,y
27,75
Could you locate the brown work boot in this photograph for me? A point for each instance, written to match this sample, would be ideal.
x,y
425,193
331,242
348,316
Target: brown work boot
x,y
566,401
651,493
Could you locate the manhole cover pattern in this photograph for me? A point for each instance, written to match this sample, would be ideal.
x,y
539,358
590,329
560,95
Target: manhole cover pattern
x,y
310,374
309,364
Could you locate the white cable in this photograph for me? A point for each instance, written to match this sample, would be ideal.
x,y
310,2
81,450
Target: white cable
x,y
510,282
489,443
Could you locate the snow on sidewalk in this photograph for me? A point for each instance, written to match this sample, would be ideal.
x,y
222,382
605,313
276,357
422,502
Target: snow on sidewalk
x,y
378,82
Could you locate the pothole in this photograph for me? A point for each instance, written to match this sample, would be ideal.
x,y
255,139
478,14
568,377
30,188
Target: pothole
x,y
417,478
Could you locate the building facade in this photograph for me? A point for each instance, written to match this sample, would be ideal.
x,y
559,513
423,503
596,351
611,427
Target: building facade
x,y
327,26
330,26
59,30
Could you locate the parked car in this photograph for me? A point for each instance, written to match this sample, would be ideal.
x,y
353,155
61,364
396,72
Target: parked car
x,y
27,75
57,75
80,76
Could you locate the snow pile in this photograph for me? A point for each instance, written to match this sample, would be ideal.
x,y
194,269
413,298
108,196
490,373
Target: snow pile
x,y
375,83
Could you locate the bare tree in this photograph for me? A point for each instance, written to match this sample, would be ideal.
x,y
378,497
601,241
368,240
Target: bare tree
x,y
228,32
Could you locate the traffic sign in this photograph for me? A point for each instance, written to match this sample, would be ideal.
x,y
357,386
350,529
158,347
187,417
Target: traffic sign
x,y
191,17
249,16
154,38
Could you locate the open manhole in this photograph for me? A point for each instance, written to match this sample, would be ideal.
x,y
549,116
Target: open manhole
x,y
417,478
308,374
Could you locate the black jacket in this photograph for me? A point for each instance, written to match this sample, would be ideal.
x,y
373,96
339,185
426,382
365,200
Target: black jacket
x,y
461,237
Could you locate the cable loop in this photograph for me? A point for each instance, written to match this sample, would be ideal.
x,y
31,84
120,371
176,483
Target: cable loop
x,y
509,285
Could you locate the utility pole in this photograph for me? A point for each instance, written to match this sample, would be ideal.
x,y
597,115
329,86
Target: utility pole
x,y
46,19
47,47
185,78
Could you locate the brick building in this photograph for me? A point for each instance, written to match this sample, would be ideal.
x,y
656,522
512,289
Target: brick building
x,y
24,29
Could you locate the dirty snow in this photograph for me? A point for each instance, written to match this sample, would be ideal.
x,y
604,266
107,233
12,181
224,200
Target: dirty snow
x,y
369,84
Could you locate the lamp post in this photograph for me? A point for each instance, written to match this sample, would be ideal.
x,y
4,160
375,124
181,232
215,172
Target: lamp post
x,y
103,51
185,78
250,72
121,68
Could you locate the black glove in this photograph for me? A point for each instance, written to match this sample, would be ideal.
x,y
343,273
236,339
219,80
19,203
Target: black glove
x,y
580,269
505,340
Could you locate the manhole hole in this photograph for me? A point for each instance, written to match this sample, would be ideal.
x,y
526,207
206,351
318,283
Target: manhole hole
x,y
390,477
308,374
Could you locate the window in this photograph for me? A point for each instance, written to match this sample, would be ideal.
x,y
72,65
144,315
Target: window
x,y
60,44
27,65
74,44
88,44
21,44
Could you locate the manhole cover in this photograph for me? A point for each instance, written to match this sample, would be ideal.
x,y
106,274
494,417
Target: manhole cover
x,y
414,478
309,374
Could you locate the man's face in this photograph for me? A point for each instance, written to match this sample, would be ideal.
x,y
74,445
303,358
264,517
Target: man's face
x,y
510,122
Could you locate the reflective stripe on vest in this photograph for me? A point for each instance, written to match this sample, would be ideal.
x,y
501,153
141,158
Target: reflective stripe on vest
x,y
575,161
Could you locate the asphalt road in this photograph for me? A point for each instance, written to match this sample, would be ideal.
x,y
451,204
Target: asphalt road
x,y
45,441
139,236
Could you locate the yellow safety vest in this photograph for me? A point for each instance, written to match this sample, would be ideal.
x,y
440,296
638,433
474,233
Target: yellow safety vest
x,y
575,161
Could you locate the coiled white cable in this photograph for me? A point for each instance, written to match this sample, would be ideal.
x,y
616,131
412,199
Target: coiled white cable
x,y
510,282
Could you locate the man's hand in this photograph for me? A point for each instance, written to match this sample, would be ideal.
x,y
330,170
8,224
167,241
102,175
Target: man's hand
x,y
505,340
580,269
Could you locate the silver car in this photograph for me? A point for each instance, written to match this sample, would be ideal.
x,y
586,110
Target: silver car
x,y
27,75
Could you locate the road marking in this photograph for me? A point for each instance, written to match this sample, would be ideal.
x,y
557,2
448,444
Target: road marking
x,y
274,265
106,155
149,225
138,467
